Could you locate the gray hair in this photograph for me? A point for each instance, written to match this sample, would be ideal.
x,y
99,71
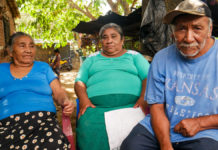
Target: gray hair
x,y
111,25
14,36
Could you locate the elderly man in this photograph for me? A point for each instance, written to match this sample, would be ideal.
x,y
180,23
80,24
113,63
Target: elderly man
x,y
182,87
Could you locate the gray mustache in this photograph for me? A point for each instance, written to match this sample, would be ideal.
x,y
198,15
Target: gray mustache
x,y
188,45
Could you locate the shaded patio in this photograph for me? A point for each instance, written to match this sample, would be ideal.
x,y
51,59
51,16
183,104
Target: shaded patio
x,y
130,24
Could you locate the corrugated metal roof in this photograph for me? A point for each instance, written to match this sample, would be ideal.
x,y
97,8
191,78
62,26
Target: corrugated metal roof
x,y
14,9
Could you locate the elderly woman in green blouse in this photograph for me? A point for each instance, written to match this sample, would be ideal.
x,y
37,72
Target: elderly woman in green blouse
x,y
110,79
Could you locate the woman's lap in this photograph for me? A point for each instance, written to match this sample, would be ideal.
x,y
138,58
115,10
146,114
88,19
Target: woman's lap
x,y
37,130
91,130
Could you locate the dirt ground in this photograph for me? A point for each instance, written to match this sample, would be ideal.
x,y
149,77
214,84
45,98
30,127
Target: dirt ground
x,y
67,80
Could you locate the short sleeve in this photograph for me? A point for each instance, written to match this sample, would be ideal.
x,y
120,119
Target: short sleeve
x,y
142,66
156,82
83,73
50,74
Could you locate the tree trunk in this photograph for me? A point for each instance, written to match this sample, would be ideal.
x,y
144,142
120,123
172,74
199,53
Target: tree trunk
x,y
125,7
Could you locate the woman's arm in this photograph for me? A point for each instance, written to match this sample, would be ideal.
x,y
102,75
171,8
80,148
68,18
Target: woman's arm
x,y
141,102
84,101
161,126
61,98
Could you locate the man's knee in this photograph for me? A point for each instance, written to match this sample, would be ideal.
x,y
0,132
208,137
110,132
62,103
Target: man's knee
x,y
199,144
130,143
140,139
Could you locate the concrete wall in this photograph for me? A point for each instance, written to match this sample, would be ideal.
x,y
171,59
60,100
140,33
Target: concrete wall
x,y
43,54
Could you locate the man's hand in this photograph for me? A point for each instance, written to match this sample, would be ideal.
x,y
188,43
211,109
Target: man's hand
x,y
68,108
83,106
188,127
167,147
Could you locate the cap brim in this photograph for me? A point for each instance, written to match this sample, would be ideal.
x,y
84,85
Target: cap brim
x,y
168,19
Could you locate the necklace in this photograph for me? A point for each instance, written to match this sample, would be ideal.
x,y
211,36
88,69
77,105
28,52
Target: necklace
x,y
20,78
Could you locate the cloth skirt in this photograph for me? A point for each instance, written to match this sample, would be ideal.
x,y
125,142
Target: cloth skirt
x,y
32,131
91,131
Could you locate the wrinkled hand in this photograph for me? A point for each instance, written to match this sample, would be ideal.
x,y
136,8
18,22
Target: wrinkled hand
x,y
68,108
188,127
142,104
83,106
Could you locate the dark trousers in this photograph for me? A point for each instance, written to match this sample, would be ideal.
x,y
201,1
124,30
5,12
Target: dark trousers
x,y
141,139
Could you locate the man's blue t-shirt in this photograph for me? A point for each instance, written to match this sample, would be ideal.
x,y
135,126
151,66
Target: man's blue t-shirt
x,y
31,93
187,87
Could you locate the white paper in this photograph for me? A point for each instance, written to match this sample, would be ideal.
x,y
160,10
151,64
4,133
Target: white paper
x,y
119,124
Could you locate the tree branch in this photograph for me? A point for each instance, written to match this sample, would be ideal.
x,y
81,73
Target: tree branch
x,y
87,13
125,7
114,6
133,4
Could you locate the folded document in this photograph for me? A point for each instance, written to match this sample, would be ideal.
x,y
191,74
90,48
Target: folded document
x,y
119,123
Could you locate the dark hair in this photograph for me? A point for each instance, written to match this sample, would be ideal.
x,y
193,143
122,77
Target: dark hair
x,y
14,36
111,25
56,51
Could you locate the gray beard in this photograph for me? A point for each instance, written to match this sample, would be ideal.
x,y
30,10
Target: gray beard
x,y
196,53
190,55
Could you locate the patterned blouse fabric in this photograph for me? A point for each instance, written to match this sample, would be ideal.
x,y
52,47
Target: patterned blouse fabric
x,y
117,75
32,130
30,93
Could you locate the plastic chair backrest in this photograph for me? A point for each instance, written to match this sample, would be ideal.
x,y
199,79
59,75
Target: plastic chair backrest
x,y
77,107
67,130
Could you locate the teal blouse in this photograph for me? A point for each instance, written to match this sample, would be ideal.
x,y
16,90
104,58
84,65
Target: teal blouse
x,y
119,75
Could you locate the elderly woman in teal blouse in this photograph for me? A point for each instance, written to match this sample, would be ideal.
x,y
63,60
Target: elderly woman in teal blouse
x,y
110,79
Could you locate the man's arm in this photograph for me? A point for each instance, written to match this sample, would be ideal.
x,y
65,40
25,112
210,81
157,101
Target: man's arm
x,y
191,126
84,101
161,126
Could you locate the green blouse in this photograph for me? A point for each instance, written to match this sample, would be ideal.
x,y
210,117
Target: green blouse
x,y
119,75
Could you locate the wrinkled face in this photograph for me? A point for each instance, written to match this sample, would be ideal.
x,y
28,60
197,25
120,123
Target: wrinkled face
x,y
23,50
191,33
111,42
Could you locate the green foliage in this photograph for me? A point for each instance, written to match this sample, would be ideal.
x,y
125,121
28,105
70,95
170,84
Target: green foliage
x,y
51,20
89,49
131,44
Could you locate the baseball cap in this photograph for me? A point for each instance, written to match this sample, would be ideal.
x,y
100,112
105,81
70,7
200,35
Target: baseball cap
x,y
192,7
